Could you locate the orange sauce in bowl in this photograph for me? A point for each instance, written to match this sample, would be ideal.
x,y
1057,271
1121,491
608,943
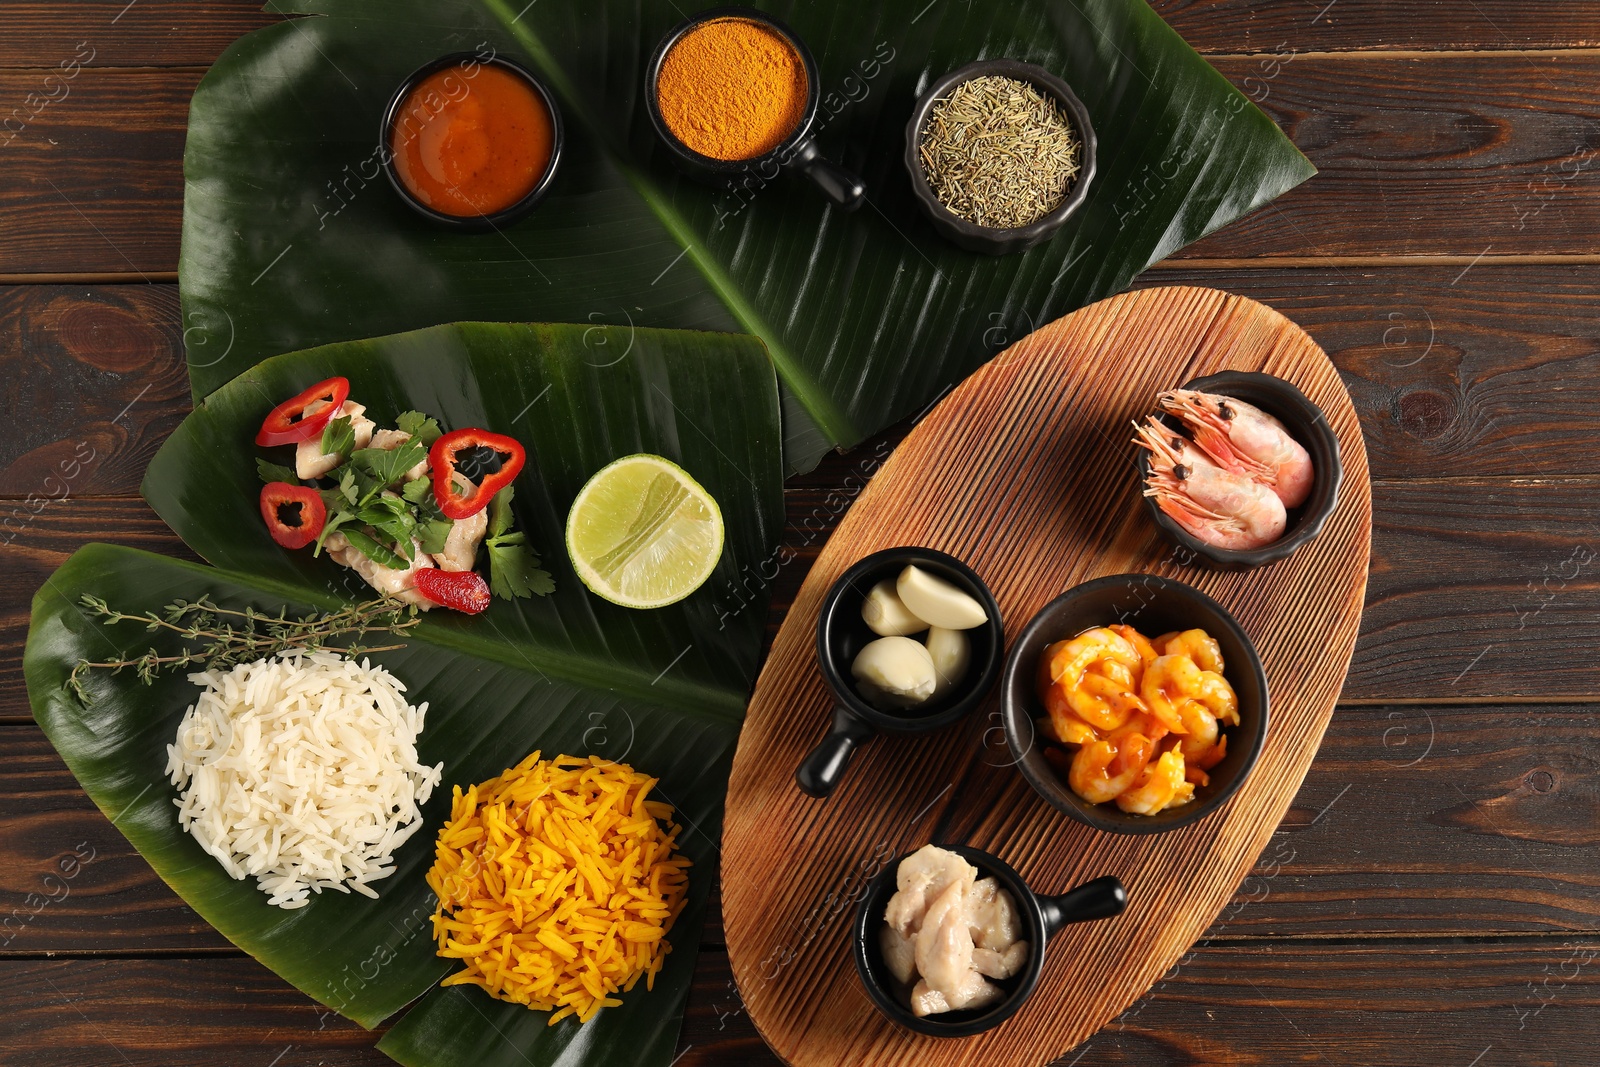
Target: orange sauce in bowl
x,y
472,139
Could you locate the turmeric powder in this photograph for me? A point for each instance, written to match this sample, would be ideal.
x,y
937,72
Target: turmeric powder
x,y
732,89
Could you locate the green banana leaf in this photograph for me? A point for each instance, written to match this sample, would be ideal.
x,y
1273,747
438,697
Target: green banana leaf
x,y
662,690
293,238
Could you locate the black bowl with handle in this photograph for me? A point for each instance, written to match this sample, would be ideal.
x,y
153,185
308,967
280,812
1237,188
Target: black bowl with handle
x,y
842,633
1042,917
1152,605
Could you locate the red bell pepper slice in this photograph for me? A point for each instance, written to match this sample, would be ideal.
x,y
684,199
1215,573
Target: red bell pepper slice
x,y
461,590
288,423
295,514
443,456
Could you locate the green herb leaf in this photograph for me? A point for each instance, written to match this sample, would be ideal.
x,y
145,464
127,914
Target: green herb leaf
x,y
389,465
514,570
500,512
418,490
432,534
379,554
275,472
338,437
422,427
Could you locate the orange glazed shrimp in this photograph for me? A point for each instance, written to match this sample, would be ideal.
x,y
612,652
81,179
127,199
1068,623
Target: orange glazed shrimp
x,y
1090,777
1159,787
1216,506
1141,643
1066,661
1245,440
1103,702
1197,645
1170,681
1067,724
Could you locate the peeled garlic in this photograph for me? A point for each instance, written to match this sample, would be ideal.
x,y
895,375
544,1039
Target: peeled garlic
x,y
895,672
937,601
886,616
951,653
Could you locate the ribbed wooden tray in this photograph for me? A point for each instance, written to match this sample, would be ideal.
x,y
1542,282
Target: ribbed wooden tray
x,y
1026,472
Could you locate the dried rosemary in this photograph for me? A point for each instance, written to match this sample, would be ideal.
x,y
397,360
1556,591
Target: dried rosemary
x,y
1000,153
222,637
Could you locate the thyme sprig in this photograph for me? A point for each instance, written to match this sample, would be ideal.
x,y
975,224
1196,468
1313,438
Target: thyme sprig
x,y
220,637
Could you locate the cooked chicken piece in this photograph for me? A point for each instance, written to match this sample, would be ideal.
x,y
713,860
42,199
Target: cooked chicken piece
x,y
899,954
920,878
998,964
972,991
309,460
400,584
461,547
992,915
944,944
389,440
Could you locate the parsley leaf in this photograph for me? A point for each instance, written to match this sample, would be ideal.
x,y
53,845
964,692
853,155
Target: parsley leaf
x,y
389,465
391,517
338,437
514,569
418,490
432,533
274,472
500,511
422,427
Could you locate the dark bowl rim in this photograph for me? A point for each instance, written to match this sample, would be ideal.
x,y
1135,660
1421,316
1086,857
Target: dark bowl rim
x,y
1113,819
505,216
989,865
845,695
1310,523
1041,78
788,147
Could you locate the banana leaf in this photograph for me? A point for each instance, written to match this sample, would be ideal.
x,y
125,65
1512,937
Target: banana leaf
x,y
663,690
292,237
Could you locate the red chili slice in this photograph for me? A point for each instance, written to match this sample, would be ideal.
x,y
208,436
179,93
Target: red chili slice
x,y
294,514
442,460
461,590
288,423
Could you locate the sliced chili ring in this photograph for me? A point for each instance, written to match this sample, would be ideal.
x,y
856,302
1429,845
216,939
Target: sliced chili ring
x,y
294,514
456,501
288,423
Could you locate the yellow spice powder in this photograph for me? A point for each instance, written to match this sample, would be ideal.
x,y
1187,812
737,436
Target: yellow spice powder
x,y
732,89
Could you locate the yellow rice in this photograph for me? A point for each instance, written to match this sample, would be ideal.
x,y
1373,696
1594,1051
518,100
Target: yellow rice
x,y
557,883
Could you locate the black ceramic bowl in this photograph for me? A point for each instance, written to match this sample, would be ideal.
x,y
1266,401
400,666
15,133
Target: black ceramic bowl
x,y
1042,917
472,223
1153,606
842,633
1306,424
970,235
798,152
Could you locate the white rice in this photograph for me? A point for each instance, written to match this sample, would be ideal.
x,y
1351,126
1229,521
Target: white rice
x,y
301,771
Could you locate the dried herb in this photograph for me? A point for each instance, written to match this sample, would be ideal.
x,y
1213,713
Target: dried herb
x,y
219,638
1000,153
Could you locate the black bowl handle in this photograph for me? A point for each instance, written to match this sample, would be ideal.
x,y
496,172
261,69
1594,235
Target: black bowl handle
x,y
1103,898
822,769
837,184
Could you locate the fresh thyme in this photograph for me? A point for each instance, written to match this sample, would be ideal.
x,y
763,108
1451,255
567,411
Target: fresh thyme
x,y
223,637
1000,153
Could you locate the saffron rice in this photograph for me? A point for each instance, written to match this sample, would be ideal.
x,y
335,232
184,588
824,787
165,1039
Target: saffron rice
x,y
557,883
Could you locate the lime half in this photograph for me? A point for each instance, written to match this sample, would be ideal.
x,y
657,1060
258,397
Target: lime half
x,y
644,534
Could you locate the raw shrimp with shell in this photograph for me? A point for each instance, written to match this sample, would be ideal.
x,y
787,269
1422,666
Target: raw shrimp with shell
x,y
1223,509
1243,439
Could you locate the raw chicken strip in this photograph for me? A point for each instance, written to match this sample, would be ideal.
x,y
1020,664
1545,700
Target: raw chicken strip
x,y
400,584
899,954
993,916
310,461
461,547
1000,964
920,878
944,944
973,991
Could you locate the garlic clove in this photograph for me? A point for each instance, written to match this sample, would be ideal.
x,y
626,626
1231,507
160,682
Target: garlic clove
x,y
951,653
937,601
885,614
895,672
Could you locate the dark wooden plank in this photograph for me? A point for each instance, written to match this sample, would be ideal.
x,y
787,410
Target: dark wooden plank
x,y
94,380
145,33
1344,25
1445,154
1527,1001
94,176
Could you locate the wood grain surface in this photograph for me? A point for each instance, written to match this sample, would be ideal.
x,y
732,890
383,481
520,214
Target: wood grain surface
x,y
1024,473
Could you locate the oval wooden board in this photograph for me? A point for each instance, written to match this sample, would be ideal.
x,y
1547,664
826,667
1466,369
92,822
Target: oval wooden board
x,y
1027,473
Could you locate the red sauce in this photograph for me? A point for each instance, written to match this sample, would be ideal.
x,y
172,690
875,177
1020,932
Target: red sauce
x,y
472,140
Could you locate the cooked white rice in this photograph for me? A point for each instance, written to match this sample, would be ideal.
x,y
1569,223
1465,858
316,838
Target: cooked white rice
x,y
302,771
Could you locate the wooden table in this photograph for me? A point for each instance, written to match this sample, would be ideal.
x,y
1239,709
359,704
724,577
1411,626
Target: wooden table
x,y
1433,896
